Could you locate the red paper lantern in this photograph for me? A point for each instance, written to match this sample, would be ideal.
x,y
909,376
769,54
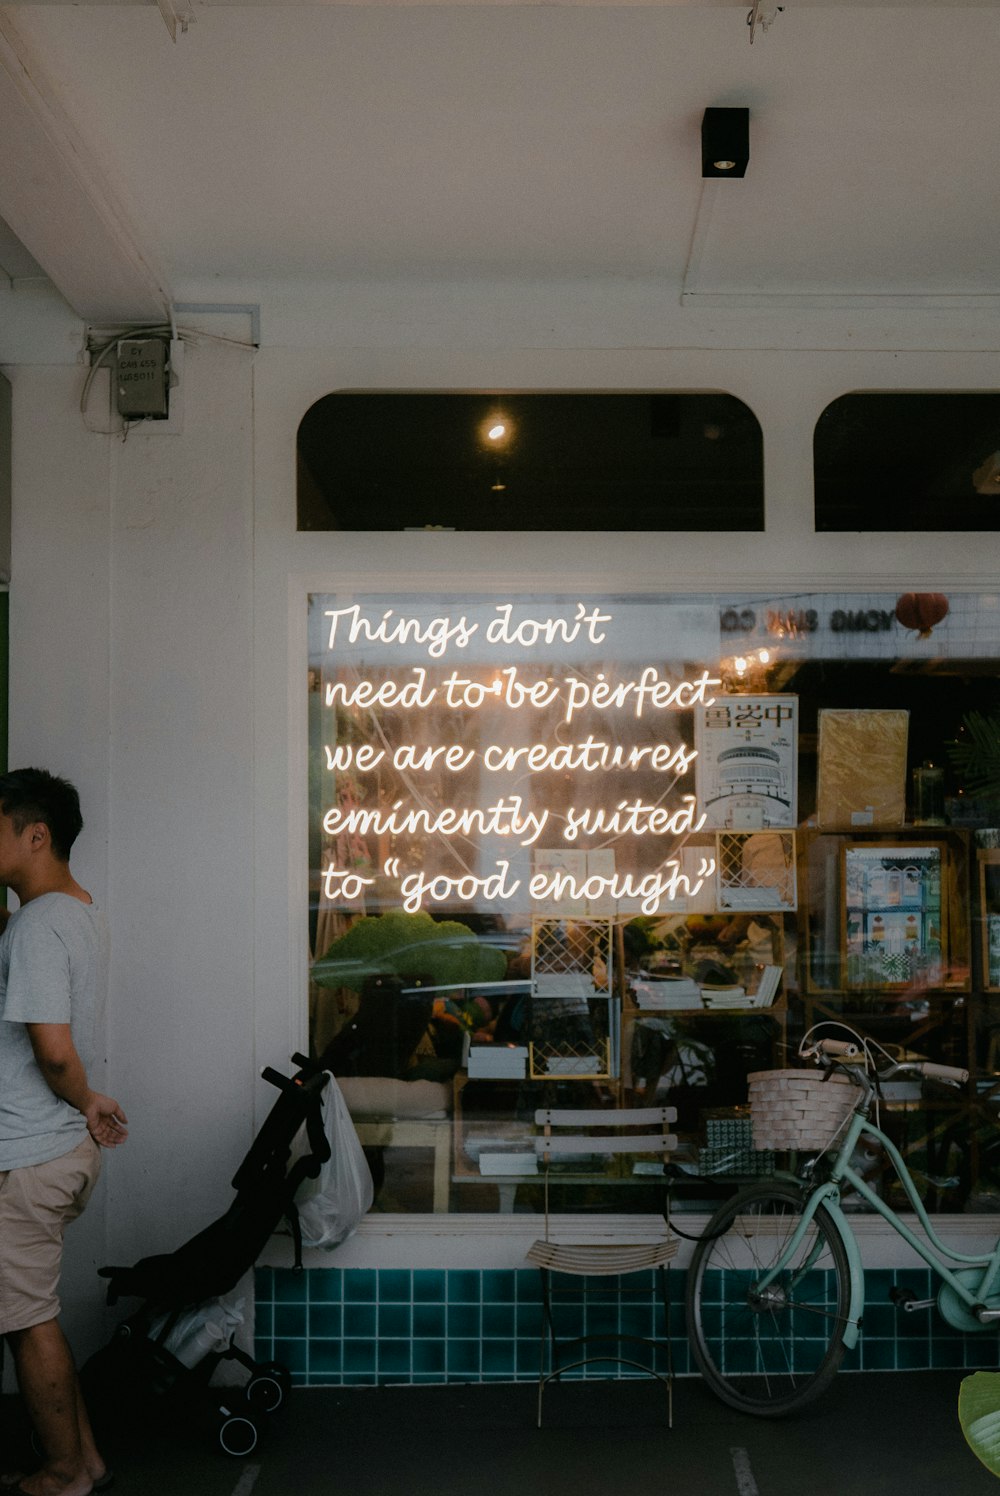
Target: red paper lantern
x,y
921,611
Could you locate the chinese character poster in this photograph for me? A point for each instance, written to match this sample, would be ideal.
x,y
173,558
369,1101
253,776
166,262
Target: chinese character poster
x,y
746,765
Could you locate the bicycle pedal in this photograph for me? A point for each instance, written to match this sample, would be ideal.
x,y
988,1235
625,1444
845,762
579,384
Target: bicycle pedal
x,y
906,1299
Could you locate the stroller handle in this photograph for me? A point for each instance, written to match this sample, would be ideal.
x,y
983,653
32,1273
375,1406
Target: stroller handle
x,y
304,1080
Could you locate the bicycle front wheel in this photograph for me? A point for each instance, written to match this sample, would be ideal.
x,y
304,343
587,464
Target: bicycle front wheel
x,y
768,1350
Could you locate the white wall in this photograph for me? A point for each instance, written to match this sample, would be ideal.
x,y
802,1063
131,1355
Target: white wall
x,y
158,609
132,673
60,644
181,806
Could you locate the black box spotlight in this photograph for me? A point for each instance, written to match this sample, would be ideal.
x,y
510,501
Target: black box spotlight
x,y
725,142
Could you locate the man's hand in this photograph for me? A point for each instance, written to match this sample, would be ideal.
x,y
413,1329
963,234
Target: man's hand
x,y
106,1122
64,1073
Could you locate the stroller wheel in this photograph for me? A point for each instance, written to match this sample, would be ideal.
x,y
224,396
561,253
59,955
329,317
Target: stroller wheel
x,y
280,1373
265,1392
238,1435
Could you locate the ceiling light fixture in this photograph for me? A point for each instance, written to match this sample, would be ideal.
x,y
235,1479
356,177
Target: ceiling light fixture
x,y
725,142
176,16
763,16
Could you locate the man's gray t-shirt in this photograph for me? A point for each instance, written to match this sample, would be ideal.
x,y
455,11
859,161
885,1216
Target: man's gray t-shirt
x,y
53,967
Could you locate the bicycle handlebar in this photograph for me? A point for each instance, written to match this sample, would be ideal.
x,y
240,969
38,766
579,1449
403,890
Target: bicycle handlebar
x,y
942,1072
842,1049
928,1069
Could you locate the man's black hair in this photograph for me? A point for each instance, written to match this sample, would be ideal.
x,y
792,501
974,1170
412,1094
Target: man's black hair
x,y
30,795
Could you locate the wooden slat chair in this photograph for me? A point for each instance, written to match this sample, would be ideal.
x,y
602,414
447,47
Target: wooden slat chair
x,y
601,1259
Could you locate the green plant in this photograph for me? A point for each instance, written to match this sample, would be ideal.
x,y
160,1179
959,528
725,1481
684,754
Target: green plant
x,y
979,1415
404,944
976,755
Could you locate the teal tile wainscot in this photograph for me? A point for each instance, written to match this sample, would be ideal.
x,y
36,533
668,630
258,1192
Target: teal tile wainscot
x,y
367,1327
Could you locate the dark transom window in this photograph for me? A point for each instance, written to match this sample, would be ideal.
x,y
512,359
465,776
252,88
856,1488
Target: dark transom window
x,y
903,462
530,462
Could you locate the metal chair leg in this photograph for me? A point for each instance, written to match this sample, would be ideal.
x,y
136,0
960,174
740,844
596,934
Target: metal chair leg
x,y
664,1275
547,1331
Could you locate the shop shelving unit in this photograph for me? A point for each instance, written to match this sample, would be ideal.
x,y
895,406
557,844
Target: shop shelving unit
x,y
886,950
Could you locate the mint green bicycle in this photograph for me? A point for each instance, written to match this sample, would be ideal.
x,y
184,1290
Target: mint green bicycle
x,y
776,1290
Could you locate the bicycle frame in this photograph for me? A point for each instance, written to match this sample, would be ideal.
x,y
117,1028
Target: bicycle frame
x,y
933,1250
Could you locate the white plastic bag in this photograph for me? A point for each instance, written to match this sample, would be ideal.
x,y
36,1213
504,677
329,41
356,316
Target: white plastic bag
x,y
209,1327
332,1206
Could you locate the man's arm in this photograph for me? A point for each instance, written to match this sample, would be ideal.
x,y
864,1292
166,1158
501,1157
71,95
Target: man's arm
x,y
64,1074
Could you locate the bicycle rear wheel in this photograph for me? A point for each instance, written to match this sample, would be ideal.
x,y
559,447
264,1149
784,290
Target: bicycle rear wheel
x,y
768,1352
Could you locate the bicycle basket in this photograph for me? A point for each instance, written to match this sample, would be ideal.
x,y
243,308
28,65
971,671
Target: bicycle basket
x,y
797,1108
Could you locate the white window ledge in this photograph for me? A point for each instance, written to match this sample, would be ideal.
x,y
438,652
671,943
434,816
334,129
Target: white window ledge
x,y
492,1241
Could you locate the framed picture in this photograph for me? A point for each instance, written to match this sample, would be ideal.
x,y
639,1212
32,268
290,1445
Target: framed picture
x,y
895,926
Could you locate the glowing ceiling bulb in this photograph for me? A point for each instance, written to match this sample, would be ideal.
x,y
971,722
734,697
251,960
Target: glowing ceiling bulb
x,y
764,656
496,429
740,665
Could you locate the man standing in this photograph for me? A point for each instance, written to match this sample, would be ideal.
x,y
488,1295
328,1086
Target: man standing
x,y
52,973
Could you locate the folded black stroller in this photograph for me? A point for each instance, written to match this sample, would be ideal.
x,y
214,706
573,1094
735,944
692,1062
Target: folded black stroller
x,y
209,1265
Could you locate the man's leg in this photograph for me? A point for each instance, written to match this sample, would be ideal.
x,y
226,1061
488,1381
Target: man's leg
x,y
36,1204
53,1401
89,1452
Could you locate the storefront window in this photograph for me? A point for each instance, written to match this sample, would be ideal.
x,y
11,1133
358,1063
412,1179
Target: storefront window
x,y
603,850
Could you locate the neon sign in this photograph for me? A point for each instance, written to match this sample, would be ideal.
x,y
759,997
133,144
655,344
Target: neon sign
x,y
389,818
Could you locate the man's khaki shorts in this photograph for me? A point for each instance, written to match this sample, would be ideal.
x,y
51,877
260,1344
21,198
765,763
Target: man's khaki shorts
x,y
37,1203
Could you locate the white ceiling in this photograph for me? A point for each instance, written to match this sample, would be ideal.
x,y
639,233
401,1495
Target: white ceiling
x,y
451,142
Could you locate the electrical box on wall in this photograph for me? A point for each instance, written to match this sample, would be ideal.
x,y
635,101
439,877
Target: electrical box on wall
x,y
141,379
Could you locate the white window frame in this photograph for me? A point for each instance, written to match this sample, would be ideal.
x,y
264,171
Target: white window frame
x,y
787,390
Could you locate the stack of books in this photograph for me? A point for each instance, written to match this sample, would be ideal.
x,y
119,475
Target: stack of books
x,y
498,1061
509,1162
563,984
727,997
656,994
767,987
739,997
